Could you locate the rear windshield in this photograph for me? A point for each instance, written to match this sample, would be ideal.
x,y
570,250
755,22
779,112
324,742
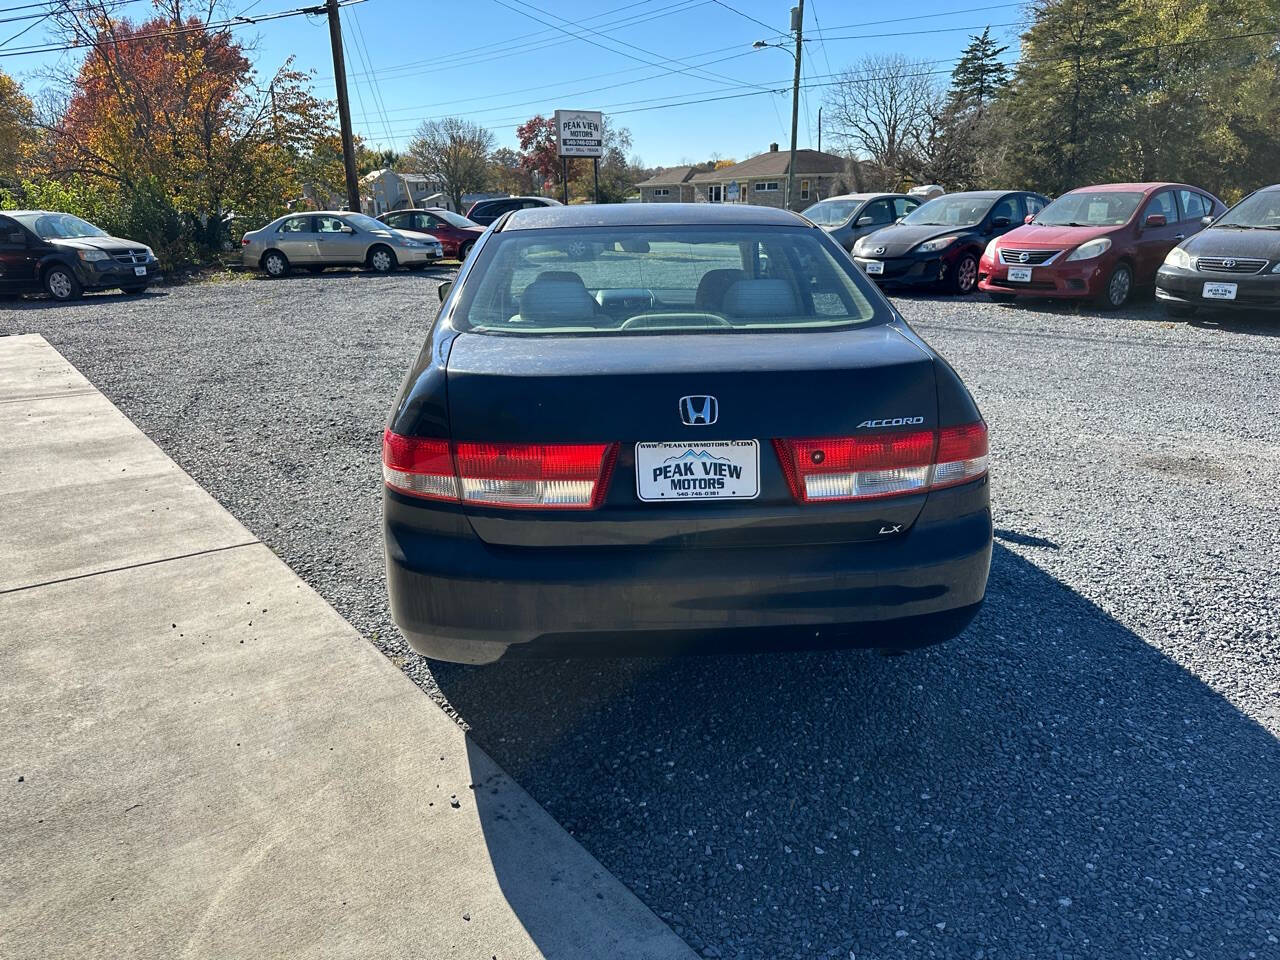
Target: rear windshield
x,y
1086,208
660,279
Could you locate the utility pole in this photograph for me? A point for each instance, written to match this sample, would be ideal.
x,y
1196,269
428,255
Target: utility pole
x,y
344,108
819,129
797,25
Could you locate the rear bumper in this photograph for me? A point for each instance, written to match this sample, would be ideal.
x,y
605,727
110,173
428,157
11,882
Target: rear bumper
x,y
1059,280
1253,291
458,598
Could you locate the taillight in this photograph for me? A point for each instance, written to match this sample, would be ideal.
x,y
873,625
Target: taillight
x,y
875,465
553,476
423,468
244,241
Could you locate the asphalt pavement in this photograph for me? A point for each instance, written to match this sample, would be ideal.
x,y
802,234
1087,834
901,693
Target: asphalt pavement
x,y
1091,770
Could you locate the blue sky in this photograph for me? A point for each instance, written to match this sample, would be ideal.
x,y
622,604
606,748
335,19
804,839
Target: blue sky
x,y
499,62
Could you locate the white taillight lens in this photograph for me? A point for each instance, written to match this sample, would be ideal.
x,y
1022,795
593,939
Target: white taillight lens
x,y
418,466
552,476
877,465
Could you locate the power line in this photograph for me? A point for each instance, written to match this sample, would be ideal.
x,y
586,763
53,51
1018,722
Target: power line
x,y
745,16
212,26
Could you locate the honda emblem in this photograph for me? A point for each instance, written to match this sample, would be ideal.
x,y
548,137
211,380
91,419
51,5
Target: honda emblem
x,y
699,411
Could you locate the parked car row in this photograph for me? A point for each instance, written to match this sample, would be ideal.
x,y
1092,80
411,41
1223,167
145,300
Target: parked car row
x,y
1099,243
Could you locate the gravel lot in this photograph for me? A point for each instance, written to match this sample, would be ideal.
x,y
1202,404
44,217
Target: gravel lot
x,y
1091,771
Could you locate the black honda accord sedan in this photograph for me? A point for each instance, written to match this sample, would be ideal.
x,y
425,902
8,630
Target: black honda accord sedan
x,y
713,432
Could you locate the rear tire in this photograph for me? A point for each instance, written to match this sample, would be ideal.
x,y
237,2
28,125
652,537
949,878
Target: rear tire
x,y
464,251
382,260
964,278
275,264
1002,297
1118,288
61,284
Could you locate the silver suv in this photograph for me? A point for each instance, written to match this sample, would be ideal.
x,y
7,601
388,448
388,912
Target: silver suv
x,y
330,238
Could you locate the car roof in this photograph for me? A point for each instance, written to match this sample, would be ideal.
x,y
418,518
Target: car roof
x,y
1146,187
978,194
650,215
863,196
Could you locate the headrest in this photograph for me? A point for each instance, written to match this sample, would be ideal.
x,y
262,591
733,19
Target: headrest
x,y
761,298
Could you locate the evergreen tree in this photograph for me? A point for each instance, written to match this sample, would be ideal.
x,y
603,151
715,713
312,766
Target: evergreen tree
x,y
979,75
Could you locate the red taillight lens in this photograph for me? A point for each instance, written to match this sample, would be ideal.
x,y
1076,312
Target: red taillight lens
x,y
962,454
557,476
244,241
417,466
877,465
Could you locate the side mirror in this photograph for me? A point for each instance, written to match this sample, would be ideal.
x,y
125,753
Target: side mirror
x,y
347,229
999,223
899,220
1029,218
1155,220
864,221
442,290
1206,221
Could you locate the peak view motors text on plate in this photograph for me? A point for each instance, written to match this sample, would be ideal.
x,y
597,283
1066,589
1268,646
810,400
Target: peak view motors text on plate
x,y
669,427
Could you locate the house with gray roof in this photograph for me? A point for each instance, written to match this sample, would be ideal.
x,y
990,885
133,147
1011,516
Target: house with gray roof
x,y
668,186
762,179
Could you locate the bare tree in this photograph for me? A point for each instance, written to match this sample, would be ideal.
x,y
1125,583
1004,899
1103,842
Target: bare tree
x,y
454,151
883,110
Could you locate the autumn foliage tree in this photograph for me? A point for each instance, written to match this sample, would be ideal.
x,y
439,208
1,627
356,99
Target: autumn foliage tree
x,y
169,112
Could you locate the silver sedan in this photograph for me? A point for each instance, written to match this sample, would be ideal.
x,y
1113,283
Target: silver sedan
x,y
335,239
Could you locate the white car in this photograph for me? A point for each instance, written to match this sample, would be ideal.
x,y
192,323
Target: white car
x,y
329,238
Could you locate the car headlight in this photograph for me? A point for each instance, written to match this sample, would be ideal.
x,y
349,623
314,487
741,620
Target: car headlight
x,y
1177,257
1276,268
933,246
410,243
151,254
990,252
91,256
1087,251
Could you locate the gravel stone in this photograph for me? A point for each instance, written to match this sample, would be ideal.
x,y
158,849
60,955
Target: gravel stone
x,y
1104,735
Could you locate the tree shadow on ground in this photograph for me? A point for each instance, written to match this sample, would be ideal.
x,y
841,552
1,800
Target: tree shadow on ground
x,y
1046,785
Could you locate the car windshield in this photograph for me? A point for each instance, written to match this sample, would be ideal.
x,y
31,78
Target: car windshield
x,y
1261,209
63,226
694,279
456,219
956,210
1091,208
830,213
361,222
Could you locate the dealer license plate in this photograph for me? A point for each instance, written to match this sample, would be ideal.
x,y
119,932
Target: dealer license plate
x,y
140,271
1219,291
1019,274
874,266
712,470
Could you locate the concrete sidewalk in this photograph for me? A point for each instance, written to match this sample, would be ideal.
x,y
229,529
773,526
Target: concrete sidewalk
x,y
202,759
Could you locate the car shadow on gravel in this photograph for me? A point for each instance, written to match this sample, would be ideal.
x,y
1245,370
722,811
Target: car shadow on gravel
x,y
1256,323
1049,784
89,299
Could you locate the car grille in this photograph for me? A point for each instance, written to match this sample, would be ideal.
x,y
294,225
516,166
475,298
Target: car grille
x,y
1230,265
130,256
1033,257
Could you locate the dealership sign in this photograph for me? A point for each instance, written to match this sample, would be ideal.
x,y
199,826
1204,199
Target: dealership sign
x,y
580,133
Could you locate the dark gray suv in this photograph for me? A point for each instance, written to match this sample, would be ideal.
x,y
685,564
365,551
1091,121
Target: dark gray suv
x,y
850,216
484,212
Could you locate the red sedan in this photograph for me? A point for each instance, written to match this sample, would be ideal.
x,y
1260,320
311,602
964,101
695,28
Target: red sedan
x,y
1096,242
456,233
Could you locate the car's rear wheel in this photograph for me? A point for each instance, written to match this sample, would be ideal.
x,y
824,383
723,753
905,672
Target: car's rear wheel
x,y
464,251
578,249
382,260
275,263
61,283
964,278
1118,288
1002,297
